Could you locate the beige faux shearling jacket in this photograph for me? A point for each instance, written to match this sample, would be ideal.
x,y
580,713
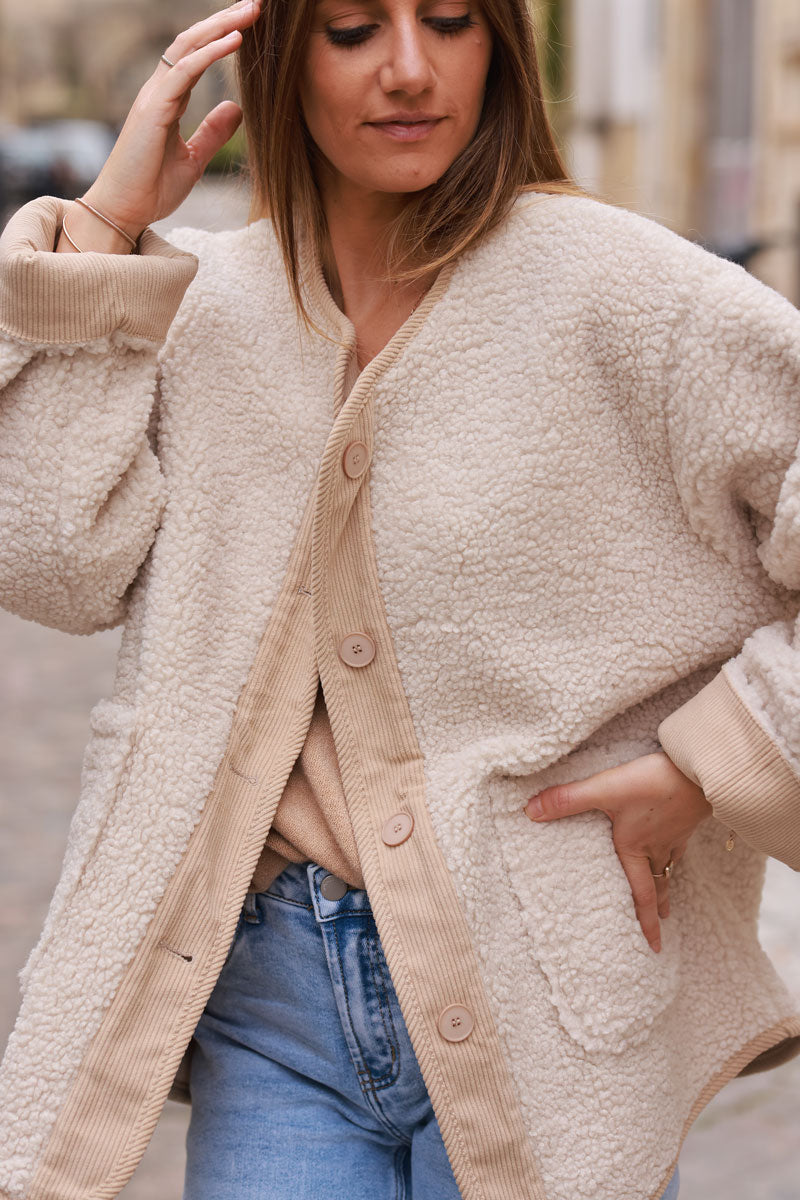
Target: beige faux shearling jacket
x,y
579,532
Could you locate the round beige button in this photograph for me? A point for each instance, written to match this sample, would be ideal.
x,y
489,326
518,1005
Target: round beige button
x,y
455,1023
397,829
357,650
355,459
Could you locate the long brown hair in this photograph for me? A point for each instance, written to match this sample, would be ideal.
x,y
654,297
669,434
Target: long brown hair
x,y
513,149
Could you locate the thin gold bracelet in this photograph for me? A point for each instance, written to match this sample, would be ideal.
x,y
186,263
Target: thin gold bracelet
x,y
107,220
69,239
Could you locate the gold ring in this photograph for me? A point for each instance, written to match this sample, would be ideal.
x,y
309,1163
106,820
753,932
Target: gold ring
x,y
666,873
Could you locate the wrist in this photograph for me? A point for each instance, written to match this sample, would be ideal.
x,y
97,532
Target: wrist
x,y
131,224
689,786
90,234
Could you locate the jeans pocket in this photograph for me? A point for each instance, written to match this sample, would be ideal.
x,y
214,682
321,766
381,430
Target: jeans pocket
x,y
365,998
251,914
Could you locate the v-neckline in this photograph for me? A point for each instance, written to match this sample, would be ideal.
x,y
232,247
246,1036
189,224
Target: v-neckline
x,y
319,293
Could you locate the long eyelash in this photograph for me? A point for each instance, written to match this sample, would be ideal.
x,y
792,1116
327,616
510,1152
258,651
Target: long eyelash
x,y
348,37
356,34
452,24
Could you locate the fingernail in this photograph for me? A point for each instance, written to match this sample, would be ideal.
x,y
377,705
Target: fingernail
x,y
534,808
657,945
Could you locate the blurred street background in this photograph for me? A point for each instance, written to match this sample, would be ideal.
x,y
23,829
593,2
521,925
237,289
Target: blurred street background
x,y
685,110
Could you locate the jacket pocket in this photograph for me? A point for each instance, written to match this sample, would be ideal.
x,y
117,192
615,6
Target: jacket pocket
x,y
106,763
578,915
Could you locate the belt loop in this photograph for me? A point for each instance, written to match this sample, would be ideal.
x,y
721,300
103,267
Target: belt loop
x,y
251,913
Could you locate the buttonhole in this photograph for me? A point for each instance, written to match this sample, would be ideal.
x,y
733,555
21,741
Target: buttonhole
x,y
241,774
177,953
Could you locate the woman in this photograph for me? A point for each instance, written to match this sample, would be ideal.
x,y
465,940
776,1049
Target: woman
x,y
425,829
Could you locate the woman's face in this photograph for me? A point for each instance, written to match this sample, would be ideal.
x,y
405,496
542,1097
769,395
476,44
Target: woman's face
x,y
392,90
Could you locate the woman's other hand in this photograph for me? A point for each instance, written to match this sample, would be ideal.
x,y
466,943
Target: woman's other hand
x,y
151,169
654,809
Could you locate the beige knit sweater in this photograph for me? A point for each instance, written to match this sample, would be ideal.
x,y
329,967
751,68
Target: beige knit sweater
x,y
311,821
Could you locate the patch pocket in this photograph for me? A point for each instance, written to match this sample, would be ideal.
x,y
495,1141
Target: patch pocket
x,y
106,763
577,912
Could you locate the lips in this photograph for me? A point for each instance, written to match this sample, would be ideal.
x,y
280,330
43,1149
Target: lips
x,y
404,117
405,128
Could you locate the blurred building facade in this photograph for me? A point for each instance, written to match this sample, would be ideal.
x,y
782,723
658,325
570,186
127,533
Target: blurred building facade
x,y
685,110
89,58
689,111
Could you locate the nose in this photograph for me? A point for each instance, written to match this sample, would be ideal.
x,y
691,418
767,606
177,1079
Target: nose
x,y
407,67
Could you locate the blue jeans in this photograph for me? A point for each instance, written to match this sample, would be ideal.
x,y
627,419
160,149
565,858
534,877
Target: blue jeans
x,y
303,1078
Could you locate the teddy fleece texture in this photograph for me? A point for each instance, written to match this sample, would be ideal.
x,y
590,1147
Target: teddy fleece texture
x,y
585,499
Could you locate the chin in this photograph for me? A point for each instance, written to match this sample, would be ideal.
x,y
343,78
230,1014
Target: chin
x,y
402,182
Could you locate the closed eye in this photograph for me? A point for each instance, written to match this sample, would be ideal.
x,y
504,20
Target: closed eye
x,y
355,35
351,36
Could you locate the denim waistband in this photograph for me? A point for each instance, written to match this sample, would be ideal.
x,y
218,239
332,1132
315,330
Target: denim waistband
x,y
300,882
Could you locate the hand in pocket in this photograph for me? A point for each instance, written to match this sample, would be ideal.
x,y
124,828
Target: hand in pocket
x,y
654,809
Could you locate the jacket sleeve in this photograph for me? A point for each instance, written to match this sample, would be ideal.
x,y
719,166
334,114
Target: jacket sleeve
x,y
733,414
81,491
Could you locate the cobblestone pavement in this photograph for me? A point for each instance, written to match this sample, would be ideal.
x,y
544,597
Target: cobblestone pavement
x,y
744,1146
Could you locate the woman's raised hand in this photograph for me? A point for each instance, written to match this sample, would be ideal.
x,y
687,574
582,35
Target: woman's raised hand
x,y
151,169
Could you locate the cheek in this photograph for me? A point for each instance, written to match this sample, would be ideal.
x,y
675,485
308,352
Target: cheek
x,y
315,93
328,94
466,74
475,70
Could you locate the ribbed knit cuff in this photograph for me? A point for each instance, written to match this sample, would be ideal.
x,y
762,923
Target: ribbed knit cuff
x,y
716,741
62,299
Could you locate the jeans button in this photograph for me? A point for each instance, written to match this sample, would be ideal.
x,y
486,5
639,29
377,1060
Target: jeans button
x,y
332,887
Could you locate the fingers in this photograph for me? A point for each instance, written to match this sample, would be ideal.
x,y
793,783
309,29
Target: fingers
x,y
662,885
223,26
191,67
606,790
220,125
566,799
650,894
645,896
662,897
